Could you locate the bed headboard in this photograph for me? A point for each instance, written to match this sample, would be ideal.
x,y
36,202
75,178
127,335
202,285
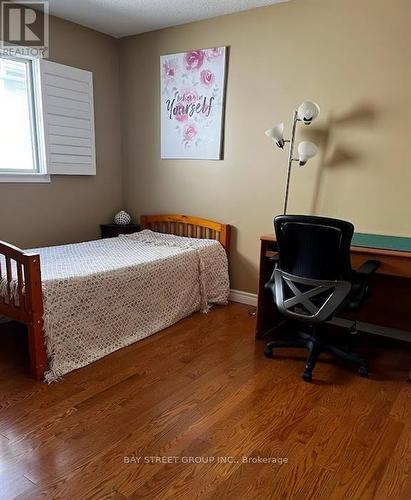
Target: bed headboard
x,y
186,225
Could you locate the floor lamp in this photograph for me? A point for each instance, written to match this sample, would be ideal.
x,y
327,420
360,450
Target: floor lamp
x,y
306,113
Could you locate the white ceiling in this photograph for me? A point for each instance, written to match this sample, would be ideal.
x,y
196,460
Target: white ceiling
x,y
130,17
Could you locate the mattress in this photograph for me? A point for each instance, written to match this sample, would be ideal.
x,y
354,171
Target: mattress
x,y
100,296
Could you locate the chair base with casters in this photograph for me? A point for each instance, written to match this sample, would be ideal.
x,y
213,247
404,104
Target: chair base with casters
x,y
312,281
315,346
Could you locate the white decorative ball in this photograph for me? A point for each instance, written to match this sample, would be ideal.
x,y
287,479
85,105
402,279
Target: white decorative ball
x,y
122,218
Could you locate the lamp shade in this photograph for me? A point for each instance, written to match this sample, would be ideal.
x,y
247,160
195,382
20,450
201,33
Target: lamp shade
x,y
306,150
308,111
277,134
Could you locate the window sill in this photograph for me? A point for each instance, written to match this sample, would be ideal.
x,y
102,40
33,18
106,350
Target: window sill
x,y
19,178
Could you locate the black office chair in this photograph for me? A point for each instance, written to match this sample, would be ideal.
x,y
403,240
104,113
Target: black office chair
x,y
313,279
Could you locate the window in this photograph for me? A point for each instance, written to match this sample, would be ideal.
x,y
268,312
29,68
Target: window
x,y
19,152
46,120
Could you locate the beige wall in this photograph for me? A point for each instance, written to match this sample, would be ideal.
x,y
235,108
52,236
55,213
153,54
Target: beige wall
x,y
350,56
71,208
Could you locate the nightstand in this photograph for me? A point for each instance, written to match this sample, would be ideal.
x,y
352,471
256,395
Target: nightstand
x,y
113,230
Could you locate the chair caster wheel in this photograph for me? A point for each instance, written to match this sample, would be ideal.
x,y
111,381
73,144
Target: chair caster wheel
x,y
268,353
363,371
307,376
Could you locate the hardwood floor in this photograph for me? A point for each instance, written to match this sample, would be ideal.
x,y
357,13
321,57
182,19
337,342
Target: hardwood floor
x,y
202,390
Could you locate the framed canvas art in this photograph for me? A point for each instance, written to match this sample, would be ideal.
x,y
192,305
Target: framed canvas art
x,y
192,104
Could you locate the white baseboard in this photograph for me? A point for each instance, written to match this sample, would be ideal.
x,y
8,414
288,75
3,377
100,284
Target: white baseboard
x,y
243,297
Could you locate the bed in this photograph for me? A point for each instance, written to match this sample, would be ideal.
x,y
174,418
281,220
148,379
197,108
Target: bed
x,y
83,301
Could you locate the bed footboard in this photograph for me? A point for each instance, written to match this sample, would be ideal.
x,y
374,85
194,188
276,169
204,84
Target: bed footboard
x,y
21,299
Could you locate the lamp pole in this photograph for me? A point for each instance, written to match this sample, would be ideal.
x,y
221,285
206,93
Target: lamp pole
x,y
290,160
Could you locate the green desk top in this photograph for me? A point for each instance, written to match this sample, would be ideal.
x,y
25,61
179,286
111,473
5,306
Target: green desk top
x,y
400,243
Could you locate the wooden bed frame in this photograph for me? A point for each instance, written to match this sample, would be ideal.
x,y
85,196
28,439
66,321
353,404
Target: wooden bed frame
x,y
29,307
192,227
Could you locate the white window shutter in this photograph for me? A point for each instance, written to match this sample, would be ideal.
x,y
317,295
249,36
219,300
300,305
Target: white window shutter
x,y
68,119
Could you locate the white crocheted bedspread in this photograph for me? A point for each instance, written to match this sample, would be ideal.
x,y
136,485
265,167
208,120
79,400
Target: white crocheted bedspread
x,y
103,295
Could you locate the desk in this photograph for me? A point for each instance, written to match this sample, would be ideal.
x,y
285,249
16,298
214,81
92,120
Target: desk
x,y
389,318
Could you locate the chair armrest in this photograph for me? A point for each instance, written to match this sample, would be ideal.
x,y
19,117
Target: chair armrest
x,y
368,268
275,258
360,290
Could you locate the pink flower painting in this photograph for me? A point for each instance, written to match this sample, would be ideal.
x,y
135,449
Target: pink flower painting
x,y
189,96
190,132
215,53
207,77
169,70
181,115
194,59
184,104
192,103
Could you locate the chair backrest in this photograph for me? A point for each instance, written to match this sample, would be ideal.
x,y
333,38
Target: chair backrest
x,y
314,273
314,247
